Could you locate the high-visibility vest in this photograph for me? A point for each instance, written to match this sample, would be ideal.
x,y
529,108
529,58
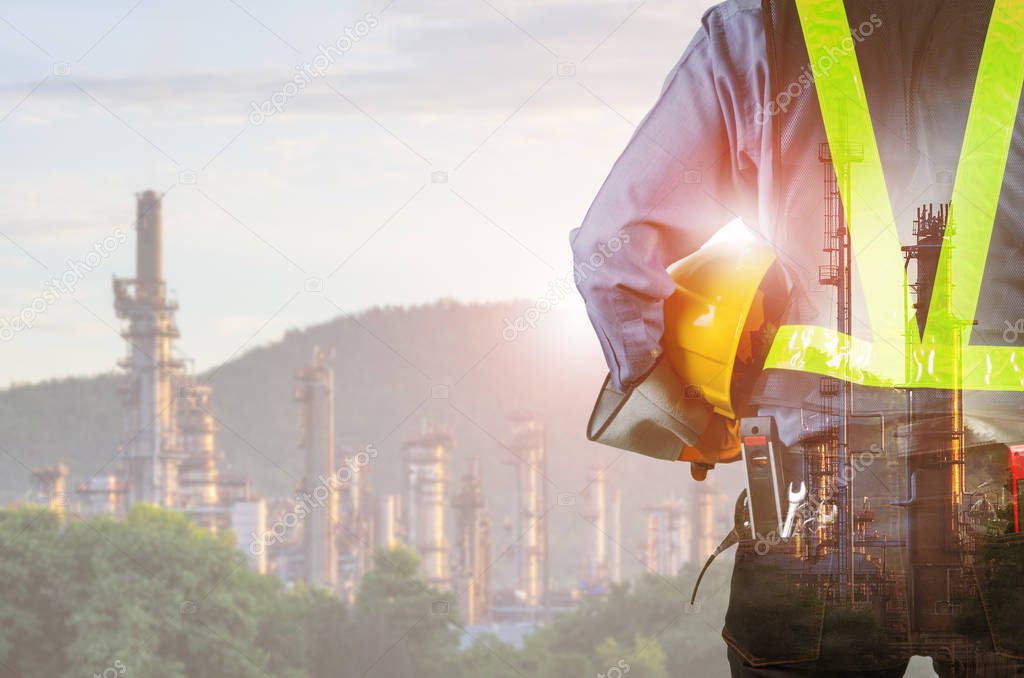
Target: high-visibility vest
x,y
919,103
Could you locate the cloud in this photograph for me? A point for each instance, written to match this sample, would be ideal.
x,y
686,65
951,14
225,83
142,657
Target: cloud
x,y
439,57
472,85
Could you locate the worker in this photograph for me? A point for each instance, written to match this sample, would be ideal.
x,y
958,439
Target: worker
x,y
906,104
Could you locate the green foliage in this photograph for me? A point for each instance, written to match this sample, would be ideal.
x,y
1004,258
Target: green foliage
x,y
560,665
154,596
302,634
1000,567
645,659
656,608
30,609
490,657
403,627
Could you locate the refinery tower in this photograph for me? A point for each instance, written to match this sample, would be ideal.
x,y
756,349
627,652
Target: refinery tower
x,y
315,393
149,416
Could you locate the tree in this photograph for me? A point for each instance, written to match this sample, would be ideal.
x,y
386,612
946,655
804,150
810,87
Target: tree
x,y
156,596
402,626
306,634
561,665
490,657
645,659
161,596
32,628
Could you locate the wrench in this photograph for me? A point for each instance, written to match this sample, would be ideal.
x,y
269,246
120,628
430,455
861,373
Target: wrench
x,y
796,497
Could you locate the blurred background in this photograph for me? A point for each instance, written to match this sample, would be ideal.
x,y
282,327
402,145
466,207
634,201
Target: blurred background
x,y
343,351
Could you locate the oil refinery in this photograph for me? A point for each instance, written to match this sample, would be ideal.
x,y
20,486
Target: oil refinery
x,y
326,535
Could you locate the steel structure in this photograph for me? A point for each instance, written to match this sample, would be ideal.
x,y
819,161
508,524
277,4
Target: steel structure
x,y
596,560
702,522
425,461
838,273
315,393
936,538
103,495
472,553
49,488
528,457
664,537
151,446
356,522
199,481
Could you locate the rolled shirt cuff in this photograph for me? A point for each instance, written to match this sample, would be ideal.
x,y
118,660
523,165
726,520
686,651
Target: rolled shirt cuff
x,y
657,417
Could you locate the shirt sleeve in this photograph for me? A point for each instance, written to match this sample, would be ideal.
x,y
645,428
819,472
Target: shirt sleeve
x,y
685,173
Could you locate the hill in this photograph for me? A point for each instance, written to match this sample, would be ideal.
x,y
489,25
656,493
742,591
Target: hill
x,y
449,363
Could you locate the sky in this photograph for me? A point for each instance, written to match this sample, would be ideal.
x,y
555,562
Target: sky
x,y
436,149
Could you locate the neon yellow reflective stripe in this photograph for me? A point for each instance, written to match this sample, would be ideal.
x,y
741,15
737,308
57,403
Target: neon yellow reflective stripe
x,y
994,368
979,178
943,359
873,236
824,351
821,350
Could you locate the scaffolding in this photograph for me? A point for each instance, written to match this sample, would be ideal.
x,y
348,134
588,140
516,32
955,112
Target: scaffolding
x,y
834,461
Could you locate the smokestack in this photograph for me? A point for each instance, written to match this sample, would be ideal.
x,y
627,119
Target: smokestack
x,y
315,393
149,225
151,435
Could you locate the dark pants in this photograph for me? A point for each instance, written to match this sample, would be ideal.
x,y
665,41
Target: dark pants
x,y
741,669
778,624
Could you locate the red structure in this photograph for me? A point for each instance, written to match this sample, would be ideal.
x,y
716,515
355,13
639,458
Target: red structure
x,y
1017,474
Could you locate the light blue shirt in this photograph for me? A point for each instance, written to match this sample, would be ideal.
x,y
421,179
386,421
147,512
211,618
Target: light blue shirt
x,y
692,166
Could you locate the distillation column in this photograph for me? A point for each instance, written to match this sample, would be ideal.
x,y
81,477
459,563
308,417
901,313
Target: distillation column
x,y
529,459
426,462
149,421
315,394
702,523
198,475
356,535
663,544
934,454
616,549
389,530
472,548
596,565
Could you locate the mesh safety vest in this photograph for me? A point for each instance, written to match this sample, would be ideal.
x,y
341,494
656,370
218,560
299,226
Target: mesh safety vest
x,y
907,103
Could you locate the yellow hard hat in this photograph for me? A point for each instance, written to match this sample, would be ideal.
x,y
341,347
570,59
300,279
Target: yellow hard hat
x,y
717,324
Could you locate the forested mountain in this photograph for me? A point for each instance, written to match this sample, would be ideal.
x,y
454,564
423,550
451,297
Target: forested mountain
x,y
462,366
